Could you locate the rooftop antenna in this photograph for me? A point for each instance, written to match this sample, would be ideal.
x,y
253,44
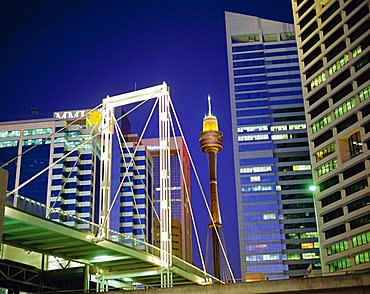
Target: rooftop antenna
x,y
209,106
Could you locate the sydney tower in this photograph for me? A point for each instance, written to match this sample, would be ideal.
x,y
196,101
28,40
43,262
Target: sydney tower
x,y
211,142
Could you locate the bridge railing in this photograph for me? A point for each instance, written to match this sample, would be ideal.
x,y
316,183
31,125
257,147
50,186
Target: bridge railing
x,y
56,214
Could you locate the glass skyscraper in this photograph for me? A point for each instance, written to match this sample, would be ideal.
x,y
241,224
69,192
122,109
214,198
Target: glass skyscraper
x,y
276,216
73,183
181,220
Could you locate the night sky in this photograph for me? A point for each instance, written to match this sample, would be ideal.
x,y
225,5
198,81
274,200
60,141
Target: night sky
x,y
62,55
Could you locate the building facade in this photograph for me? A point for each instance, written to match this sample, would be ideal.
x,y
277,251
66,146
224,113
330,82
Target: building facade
x,y
181,218
333,46
71,184
136,196
276,218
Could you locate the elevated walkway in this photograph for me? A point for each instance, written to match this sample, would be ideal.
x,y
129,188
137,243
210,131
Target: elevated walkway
x,y
122,259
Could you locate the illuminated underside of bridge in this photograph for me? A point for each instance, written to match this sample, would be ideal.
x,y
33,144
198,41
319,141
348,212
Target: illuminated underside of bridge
x,y
117,262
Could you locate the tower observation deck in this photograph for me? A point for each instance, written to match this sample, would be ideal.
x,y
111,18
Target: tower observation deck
x,y
211,143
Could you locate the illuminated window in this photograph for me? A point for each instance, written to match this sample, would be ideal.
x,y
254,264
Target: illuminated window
x,y
307,245
356,51
278,128
337,247
308,235
269,216
294,256
339,265
297,127
301,167
255,179
5,134
349,104
326,167
287,36
4,144
280,137
338,64
318,80
257,188
278,188
245,38
355,144
255,169
31,142
363,257
361,239
252,129
310,255
253,137
364,94
324,152
321,123
40,131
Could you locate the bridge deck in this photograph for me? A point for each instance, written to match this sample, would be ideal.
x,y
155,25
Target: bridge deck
x,y
120,262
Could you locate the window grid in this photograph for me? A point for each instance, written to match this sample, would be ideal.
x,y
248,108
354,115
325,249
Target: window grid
x,y
327,167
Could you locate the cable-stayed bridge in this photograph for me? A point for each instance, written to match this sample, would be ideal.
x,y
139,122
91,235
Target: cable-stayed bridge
x,y
118,258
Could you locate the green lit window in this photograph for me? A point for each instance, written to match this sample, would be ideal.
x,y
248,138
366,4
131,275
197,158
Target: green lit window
x,y
324,152
6,134
363,257
349,104
318,80
4,144
294,256
337,247
339,265
321,123
338,64
361,239
40,131
356,51
326,167
364,94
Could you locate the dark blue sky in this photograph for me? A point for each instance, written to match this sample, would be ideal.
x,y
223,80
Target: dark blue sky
x,y
60,55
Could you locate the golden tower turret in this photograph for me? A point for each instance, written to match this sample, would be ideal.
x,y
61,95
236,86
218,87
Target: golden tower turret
x,y
211,142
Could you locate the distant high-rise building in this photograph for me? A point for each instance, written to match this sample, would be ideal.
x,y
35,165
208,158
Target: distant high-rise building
x,y
72,183
276,217
136,196
181,219
333,47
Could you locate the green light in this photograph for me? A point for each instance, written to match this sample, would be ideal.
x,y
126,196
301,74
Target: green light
x,y
312,188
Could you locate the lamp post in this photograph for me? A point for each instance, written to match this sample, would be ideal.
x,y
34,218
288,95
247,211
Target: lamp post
x,y
313,189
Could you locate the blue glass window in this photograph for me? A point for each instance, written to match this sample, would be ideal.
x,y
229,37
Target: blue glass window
x,y
249,63
248,55
282,69
253,112
252,104
251,95
281,53
247,48
250,79
249,71
251,87
280,45
255,147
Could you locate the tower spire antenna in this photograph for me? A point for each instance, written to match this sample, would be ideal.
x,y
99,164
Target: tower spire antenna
x,y
209,105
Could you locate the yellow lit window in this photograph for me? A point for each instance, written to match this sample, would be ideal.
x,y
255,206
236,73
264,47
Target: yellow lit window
x,y
307,245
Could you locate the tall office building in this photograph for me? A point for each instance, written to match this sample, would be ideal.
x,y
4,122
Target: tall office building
x,y
71,185
181,219
136,196
333,47
276,218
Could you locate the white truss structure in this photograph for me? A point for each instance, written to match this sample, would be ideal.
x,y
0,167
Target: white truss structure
x,y
161,92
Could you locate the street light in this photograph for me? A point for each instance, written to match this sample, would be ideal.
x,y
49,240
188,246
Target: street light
x,y
313,188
